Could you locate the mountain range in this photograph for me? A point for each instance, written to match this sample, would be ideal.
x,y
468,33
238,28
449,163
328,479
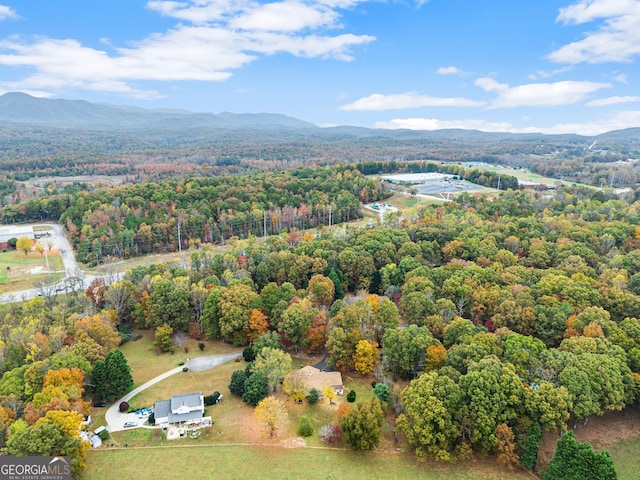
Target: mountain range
x,y
22,109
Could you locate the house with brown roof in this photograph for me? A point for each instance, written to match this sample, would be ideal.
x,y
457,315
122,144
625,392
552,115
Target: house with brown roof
x,y
314,378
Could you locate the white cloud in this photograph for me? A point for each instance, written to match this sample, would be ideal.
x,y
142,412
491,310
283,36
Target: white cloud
x,y
286,16
544,74
622,78
448,71
214,38
538,94
401,101
617,121
617,39
7,12
617,100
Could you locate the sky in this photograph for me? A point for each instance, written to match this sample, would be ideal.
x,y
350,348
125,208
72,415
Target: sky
x,y
550,66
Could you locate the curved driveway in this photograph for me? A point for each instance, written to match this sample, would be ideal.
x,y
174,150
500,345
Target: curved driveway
x,y
115,420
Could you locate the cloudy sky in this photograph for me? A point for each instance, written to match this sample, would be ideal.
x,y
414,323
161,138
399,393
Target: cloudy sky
x,y
550,66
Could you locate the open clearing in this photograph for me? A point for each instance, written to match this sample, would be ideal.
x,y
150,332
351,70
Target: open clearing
x,y
27,271
264,462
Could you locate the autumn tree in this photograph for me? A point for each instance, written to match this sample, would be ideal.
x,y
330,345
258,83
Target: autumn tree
x,y
366,357
506,448
258,324
329,393
236,304
49,439
24,244
321,290
294,387
164,338
271,415
430,421
362,427
273,364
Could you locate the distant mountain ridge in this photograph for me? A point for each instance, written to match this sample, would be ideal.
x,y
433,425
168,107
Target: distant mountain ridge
x,y
24,109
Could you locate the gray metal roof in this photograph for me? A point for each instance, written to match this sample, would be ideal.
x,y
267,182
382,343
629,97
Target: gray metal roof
x,y
191,400
185,417
162,409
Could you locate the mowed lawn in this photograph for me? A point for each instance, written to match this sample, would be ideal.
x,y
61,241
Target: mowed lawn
x,y
625,456
264,462
25,271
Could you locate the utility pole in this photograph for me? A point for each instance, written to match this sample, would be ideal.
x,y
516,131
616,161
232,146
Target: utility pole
x,y
180,236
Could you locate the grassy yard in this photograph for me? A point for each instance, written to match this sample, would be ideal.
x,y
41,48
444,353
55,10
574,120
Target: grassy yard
x,y
146,364
27,271
625,456
265,462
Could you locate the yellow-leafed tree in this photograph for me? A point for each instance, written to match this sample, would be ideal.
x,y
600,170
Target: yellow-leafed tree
x,y
329,393
24,244
366,357
272,415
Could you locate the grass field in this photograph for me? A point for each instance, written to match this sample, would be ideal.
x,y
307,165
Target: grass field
x,y
265,462
146,364
625,456
27,271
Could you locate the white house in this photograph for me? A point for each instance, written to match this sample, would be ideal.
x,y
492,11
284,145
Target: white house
x,y
183,408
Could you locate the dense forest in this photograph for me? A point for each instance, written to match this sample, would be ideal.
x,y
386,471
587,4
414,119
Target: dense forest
x,y
151,217
507,315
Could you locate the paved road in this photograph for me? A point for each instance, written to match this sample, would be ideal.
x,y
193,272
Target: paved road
x,y
115,420
74,278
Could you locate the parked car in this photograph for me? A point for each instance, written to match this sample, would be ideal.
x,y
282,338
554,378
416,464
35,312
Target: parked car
x,y
130,424
100,404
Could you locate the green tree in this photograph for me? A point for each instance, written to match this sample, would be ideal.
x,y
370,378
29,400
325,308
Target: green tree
x,y
382,392
169,303
430,421
238,379
211,313
575,460
255,389
415,307
273,364
112,378
549,405
530,447
404,349
493,393
236,304
362,427
305,429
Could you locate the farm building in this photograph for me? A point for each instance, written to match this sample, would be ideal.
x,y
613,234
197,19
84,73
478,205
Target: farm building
x,y
14,231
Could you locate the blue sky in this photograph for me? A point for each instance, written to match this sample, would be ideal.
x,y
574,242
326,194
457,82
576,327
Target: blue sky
x,y
551,66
